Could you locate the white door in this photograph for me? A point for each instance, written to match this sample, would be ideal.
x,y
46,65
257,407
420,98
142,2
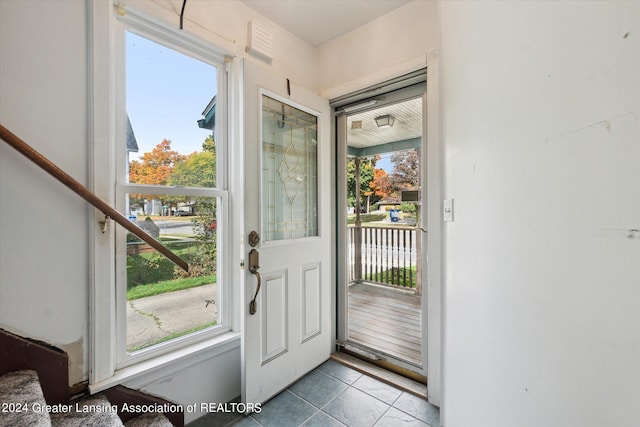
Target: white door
x,y
287,185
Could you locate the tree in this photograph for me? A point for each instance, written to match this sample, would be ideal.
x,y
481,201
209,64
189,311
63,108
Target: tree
x,y
209,145
381,184
366,176
197,170
406,172
154,168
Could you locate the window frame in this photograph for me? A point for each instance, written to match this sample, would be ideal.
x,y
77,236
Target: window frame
x,y
108,360
122,187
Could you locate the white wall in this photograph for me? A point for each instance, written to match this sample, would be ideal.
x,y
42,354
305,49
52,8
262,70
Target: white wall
x,y
540,106
214,380
43,226
392,45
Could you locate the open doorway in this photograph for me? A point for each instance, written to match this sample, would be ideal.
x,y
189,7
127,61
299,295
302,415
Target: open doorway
x,y
382,312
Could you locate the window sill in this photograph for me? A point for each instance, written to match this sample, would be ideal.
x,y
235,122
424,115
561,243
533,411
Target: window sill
x,y
146,372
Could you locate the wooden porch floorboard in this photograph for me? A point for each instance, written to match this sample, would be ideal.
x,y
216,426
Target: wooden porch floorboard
x,y
386,320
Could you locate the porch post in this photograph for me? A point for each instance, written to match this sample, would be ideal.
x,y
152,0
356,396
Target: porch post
x,y
357,231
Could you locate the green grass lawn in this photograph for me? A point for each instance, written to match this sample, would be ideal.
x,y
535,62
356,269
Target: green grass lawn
x,y
370,217
162,287
395,276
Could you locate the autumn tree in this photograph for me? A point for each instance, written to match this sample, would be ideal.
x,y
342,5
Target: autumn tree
x,y
154,168
406,170
381,184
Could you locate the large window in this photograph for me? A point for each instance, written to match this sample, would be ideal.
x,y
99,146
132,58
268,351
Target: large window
x,y
170,181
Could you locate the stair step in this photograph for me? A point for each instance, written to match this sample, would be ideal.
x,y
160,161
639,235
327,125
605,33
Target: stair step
x,y
21,396
93,411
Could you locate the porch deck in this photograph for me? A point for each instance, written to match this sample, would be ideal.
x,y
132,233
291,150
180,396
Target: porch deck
x,y
388,320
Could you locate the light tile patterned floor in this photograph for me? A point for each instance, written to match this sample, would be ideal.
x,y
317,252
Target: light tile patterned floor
x,y
335,395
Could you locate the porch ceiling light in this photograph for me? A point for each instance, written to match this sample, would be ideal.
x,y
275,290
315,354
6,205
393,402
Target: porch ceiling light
x,y
385,121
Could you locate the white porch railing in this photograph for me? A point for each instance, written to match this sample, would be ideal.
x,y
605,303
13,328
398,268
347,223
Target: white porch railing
x,y
384,255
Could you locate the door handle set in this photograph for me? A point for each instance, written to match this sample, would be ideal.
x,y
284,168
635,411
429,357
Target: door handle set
x,y
254,265
253,268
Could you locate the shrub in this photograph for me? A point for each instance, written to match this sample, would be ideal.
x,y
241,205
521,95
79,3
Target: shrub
x,y
203,258
408,207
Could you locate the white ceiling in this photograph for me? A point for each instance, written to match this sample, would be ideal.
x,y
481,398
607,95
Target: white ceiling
x,y
318,21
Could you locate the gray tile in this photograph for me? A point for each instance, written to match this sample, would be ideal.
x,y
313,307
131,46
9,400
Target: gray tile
x,y
419,408
356,409
215,419
341,372
396,418
241,422
318,388
377,389
322,420
286,409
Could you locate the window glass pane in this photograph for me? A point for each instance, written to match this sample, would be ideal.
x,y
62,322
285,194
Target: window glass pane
x,y
171,117
164,302
289,171
170,142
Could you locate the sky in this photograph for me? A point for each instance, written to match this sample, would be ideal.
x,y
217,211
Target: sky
x,y
384,162
166,95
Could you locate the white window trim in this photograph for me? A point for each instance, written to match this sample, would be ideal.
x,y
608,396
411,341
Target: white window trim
x,y
106,368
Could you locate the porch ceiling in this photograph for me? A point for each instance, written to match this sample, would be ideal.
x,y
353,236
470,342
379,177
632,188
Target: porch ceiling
x,y
366,138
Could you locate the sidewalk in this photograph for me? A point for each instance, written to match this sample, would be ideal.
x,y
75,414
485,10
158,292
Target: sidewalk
x,y
152,318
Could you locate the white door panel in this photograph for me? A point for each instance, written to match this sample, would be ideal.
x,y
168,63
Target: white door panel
x,y
287,201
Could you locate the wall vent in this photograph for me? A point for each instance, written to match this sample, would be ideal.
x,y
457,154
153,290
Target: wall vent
x,y
260,40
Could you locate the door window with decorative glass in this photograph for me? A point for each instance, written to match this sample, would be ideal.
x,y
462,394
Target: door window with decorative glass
x,y
289,171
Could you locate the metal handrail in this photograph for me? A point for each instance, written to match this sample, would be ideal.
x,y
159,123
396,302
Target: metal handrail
x,y
82,191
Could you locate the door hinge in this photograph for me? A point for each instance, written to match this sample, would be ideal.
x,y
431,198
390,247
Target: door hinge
x,y
242,264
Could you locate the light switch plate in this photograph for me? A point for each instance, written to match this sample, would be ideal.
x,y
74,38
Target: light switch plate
x,y
447,210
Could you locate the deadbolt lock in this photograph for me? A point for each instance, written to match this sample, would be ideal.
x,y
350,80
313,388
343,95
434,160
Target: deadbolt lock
x,y
254,239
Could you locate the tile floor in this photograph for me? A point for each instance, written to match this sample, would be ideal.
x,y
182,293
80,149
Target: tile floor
x,y
335,395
